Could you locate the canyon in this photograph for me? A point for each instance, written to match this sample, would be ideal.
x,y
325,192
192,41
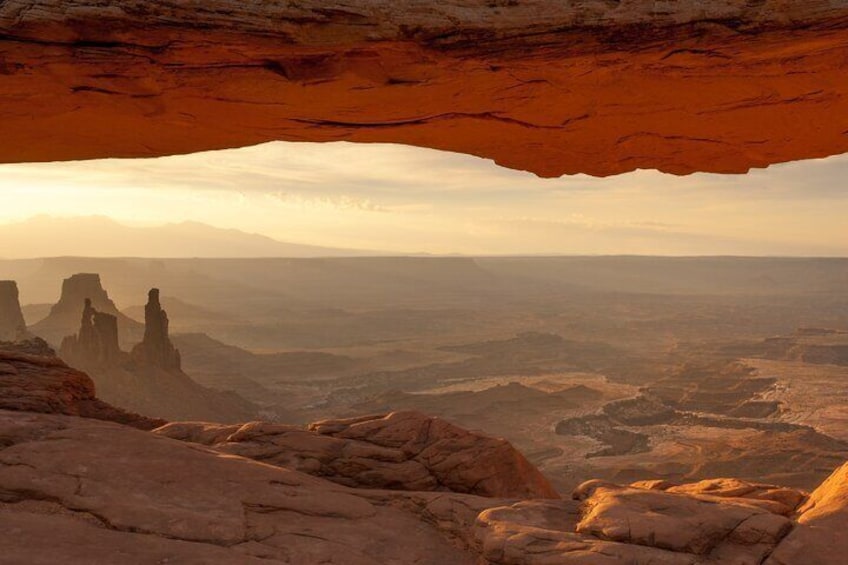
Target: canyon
x,y
520,448
80,478
431,410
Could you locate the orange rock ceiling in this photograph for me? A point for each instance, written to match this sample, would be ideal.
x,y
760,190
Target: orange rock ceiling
x,y
553,87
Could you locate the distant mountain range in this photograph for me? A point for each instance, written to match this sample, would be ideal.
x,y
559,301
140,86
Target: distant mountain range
x,y
99,236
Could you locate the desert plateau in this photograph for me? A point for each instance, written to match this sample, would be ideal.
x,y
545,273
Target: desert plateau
x,y
423,283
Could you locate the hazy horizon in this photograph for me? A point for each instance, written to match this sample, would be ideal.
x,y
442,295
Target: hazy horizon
x,y
400,200
208,241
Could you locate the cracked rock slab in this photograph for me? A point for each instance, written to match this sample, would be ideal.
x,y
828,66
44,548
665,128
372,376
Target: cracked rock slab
x,y
402,450
101,489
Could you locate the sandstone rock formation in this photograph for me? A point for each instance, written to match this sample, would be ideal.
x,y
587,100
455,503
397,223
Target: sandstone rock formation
x,y
103,492
777,499
64,317
819,536
649,524
12,324
156,349
550,86
402,450
96,344
34,380
149,380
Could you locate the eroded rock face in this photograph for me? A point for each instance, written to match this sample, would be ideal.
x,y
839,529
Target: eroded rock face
x,y
739,523
548,86
64,317
32,379
101,492
779,500
12,324
98,489
96,344
726,530
402,450
819,536
156,349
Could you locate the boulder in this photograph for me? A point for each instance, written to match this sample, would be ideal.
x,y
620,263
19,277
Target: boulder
x,y
64,317
820,536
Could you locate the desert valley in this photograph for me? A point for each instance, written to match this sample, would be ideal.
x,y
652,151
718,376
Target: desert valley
x,y
543,282
625,370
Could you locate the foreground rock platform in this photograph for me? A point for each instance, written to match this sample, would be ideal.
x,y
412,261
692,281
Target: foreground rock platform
x,y
402,450
403,488
553,87
103,492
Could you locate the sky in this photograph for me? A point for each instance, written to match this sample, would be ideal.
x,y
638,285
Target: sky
x,y
410,200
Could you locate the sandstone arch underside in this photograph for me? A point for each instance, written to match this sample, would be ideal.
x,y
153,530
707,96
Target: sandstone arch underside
x,y
550,86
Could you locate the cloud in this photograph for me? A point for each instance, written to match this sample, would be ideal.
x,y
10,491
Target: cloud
x,y
411,199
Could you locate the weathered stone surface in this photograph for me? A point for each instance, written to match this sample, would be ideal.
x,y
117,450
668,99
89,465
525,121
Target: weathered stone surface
x,y
545,85
725,530
103,493
779,500
12,324
402,450
31,381
542,533
820,536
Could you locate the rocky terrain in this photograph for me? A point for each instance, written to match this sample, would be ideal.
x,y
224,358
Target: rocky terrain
x,y
148,379
650,368
553,87
33,379
401,450
102,491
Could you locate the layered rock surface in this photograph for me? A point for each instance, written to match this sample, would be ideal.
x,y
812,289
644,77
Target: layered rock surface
x,y
549,86
102,492
819,536
32,379
402,450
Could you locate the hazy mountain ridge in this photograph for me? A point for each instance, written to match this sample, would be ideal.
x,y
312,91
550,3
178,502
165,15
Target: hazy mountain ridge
x,y
99,236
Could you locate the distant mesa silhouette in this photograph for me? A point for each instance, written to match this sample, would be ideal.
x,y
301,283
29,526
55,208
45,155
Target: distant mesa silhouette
x,y
12,324
96,343
64,317
156,349
97,340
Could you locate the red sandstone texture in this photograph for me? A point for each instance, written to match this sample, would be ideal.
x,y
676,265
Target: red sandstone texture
x,y
402,450
32,379
104,492
553,87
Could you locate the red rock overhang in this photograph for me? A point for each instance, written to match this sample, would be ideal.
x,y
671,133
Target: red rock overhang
x,y
549,86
